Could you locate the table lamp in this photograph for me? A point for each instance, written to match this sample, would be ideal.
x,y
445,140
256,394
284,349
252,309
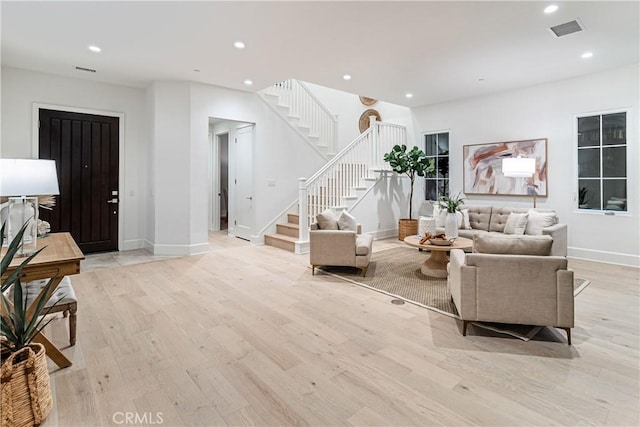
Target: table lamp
x,y
521,167
22,180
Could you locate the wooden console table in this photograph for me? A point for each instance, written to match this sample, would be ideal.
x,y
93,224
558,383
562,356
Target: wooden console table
x,y
60,257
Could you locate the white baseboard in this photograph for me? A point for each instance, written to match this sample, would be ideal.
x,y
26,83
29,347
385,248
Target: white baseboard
x,y
179,250
129,245
616,258
384,234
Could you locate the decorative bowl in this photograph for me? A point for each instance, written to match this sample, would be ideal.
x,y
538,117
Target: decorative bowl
x,y
441,242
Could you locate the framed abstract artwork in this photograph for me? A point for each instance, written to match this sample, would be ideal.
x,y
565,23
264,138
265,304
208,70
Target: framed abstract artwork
x,y
482,168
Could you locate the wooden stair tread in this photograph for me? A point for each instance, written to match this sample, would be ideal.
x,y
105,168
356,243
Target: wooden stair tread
x,y
279,236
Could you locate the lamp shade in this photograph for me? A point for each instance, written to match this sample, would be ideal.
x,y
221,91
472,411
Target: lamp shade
x,y
28,177
519,166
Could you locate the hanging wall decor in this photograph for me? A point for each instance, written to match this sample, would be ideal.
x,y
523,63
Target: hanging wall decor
x,y
368,101
363,123
482,168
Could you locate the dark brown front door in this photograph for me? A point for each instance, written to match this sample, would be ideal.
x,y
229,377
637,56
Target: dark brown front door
x,y
85,148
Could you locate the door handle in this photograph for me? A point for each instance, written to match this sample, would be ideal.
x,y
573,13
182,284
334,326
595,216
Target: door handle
x,y
112,201
249,198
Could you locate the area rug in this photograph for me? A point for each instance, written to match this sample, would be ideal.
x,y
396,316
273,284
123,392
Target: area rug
x,y
396,272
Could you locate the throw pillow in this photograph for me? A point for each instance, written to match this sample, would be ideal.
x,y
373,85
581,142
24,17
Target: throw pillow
x,y
464,221
327,220
512,245
516,223
538,220
439,214
347,222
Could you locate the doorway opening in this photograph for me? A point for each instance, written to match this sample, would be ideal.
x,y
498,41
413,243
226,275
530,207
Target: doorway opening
x,y
231,177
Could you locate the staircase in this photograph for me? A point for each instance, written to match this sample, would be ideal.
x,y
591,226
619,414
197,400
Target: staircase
x,y
286,234
299,107
338,185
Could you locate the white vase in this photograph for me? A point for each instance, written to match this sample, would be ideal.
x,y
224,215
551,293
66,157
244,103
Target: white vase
x,y
451,226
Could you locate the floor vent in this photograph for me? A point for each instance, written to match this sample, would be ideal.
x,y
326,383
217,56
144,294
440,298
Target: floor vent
x,y
566,28
89,70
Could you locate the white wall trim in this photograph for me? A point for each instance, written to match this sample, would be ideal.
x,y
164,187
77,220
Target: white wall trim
x,y
177,250
133,244
35,150
606,257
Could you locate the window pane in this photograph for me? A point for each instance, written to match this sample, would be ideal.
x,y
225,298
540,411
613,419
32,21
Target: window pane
x,y
615,194
614,162
442,167
443,187
431,145
589,163
614,129
589,194
443,144
431,193
588,131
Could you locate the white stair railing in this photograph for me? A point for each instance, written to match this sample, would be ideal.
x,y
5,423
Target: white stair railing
x,y
309,112
336,180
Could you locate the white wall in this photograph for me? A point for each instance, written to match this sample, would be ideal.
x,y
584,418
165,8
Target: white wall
x,y
280,155
548,111
348,108
22,88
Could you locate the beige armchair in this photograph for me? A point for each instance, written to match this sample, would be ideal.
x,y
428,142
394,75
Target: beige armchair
x,y
339,248
521,289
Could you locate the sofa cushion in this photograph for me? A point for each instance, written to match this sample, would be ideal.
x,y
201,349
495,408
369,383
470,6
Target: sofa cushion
x,y
363,244
347,222
516,223
512,245
538,220
479,217
499,217
327,220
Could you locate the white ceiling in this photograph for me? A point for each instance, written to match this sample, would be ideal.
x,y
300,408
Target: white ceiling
x,y
436,50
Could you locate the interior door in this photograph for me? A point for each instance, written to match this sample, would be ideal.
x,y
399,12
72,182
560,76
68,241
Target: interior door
x,y
243,224
85,148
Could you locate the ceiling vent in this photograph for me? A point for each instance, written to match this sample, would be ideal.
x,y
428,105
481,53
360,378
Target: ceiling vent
x,y
566,28
88,70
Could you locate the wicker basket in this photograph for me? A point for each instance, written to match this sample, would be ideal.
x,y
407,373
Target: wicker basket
x,y
26,394
407,227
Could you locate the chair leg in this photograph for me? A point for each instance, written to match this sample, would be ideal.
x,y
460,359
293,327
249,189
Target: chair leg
x,y
465,323
313,270
363,271
72,323
568,331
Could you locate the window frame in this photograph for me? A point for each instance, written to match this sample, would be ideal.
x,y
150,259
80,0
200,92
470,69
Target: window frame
x,y
436,157
600,146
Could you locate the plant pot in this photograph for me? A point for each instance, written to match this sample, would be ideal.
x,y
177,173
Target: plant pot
x,y
26,393
451,226
407,227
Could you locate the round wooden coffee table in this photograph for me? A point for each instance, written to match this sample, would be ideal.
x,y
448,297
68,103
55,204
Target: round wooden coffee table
x,y
436,264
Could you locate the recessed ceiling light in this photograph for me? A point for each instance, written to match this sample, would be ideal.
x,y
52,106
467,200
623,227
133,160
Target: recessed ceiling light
x,y
238,45
196,70
408,95
248,82
480,79
587,55
94,48
551,8
347,77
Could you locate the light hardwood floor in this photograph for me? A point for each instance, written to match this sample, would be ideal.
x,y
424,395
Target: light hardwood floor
x,y
245,335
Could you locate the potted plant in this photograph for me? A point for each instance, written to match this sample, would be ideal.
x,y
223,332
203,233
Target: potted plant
x,y
412,162
24,371
452,205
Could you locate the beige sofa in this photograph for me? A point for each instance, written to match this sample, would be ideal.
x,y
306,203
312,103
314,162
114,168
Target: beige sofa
x,y
339,248
492,220
512,287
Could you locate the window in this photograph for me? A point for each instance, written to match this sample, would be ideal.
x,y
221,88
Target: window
x,y
602,162
437,148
